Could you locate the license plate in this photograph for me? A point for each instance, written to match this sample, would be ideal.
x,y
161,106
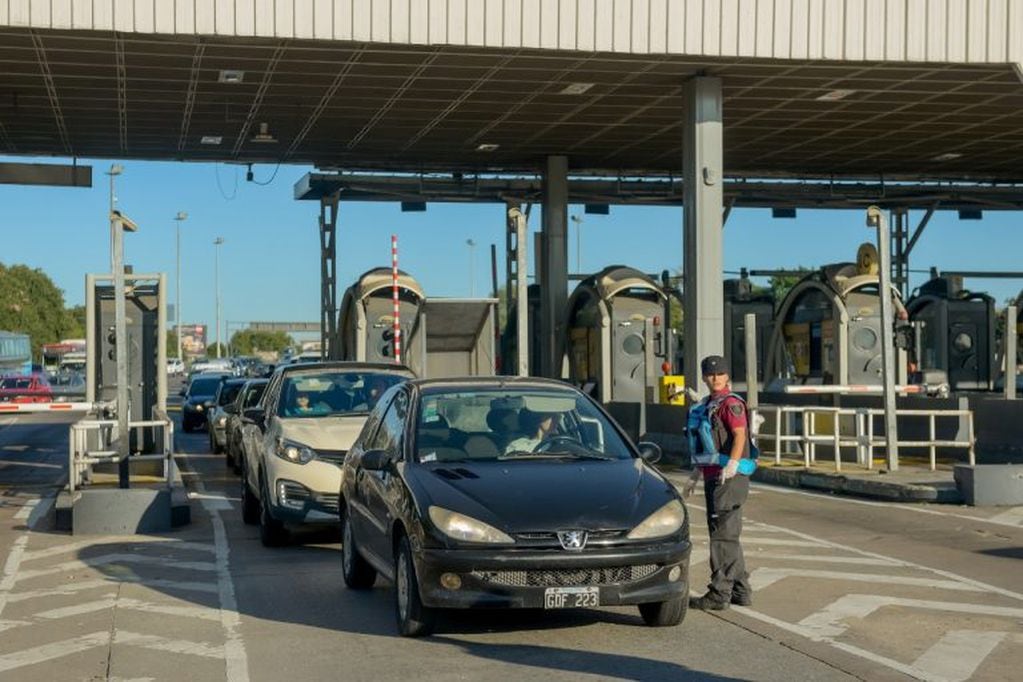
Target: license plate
x,y
571,597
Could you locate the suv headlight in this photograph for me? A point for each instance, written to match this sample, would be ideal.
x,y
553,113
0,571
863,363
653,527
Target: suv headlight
x,y
663,522
221,420
294,452
461,527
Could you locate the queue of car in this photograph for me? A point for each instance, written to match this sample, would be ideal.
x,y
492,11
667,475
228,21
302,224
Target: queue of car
x,y
495,492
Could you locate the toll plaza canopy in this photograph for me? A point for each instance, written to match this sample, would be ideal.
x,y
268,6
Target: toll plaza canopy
x,y
887,90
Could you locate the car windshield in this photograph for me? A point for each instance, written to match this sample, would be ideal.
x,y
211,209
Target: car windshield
x,y
229,392
331,393
204,386
509,424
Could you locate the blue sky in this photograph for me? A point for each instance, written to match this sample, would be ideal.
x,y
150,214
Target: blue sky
x,y
269,264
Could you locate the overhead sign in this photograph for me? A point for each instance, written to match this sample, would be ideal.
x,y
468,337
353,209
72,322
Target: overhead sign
x,y
52,174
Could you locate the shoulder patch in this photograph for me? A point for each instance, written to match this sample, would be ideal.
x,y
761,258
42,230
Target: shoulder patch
x,y
736,409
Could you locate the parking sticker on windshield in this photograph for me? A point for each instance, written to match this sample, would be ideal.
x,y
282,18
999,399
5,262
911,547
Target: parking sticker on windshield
x,y
429,457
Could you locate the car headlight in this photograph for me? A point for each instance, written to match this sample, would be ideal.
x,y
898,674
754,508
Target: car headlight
x,y
198,407
665,521
221,420
461,527
294,452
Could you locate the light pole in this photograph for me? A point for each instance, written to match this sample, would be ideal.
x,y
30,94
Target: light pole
x,y
578,243
472,266
115,170
216,283
178,219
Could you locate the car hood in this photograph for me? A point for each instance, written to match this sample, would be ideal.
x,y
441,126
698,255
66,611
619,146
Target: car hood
x,y
547,495
323,433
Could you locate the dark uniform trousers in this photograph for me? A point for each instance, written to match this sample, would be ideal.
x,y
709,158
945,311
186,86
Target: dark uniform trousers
x,y
724,520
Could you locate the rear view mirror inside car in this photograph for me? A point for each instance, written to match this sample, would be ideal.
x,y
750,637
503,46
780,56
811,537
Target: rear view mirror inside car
x,y
549,403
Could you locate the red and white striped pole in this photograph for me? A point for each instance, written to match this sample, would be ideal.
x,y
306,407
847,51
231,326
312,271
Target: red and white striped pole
x,y
394,295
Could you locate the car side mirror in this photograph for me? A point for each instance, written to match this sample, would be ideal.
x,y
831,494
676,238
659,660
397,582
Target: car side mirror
x,y
376,460
254,415
649,452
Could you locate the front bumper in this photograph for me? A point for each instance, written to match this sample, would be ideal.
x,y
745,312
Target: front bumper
x,y
310,492
220,435
520,578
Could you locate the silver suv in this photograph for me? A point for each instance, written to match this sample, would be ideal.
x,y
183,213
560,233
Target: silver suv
x,y
296,440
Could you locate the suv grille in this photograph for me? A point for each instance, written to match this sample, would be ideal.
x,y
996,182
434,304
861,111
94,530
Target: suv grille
x,y
336,457
567,577
328,502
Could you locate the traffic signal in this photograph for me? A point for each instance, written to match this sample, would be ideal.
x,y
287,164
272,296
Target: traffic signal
x,y
112,342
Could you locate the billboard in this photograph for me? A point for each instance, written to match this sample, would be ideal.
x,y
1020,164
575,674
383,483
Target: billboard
x,y
193,339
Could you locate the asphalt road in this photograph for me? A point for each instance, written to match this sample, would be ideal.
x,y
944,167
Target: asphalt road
x,y
846,589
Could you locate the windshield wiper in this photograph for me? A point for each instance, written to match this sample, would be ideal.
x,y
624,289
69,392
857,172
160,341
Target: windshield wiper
x,y
555,455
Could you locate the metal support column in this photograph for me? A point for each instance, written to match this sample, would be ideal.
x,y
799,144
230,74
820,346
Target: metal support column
x,y
517,225
330,343
702,288
1010,352
554,295
900,257
876,218
121,350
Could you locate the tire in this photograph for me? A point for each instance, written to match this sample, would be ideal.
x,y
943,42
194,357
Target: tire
x,y
358,574
250,505
236,460
665,613
272,532
414,619
186,426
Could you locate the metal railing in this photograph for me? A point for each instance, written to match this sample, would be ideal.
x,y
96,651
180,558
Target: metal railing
x,y
862,438
85,450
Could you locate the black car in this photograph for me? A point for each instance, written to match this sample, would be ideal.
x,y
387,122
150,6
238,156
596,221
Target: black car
x,y
514,493
198,398
247,398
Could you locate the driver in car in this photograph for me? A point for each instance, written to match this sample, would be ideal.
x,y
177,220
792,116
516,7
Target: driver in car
x,y
537,426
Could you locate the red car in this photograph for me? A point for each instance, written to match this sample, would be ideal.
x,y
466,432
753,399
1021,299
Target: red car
x,y
26,388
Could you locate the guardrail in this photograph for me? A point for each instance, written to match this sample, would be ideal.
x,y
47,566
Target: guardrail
x,y
7,408
81,456
863,439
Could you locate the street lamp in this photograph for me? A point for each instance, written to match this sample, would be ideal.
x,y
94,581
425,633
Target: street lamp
x,y
578,243
178,219
216,283
472,266
115,170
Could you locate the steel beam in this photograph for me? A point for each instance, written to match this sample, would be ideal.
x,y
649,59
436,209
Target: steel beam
x,y
554,294
330,341
702,288
877,219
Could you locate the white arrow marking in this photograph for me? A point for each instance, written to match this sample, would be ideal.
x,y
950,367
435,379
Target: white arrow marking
x,y
958,654
763,577
828,621
48,652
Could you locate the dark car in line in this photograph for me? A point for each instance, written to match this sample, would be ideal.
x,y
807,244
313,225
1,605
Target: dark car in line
x,y
247,398
199,398
509,493
216,417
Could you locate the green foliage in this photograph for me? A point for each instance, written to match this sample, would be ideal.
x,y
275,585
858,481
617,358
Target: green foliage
x,y
75,322
249,342
30,303
781,285
172,344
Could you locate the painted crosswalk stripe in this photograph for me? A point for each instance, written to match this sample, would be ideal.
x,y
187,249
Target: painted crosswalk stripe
x,y
48,652
825,558
958,654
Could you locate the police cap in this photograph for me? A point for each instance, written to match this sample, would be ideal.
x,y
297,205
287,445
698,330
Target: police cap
x,y
714,364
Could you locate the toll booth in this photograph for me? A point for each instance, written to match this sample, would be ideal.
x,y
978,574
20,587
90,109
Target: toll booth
x,y
460,337
741,300
145,315
955,333
828,328
617,343
366,321
509,335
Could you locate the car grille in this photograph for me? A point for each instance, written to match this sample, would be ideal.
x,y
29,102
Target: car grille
x,y
549,539
336,457
567,577
328,502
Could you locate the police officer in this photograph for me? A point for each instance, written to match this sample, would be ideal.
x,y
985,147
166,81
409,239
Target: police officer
x,y
725,487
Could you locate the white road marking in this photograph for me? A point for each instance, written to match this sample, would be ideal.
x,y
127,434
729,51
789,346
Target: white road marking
x,y
827,559
177,646
110,601
117,559
14,557
234,646
1013,517
93,584
119,541
958,654
11,624
780,542
828,622
48,652
26,509
762,577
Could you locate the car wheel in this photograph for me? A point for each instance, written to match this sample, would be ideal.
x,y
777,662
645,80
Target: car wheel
x,y
236,460
414,619
186,426
665,613
250,505
272,532
358,573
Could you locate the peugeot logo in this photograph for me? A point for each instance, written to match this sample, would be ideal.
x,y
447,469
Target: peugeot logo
x,y
572,539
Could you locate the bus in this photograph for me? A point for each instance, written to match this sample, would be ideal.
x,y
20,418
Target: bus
x,y
15,353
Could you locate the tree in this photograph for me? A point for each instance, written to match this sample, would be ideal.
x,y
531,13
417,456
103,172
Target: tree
x,y
781,285
30,303
75,322
249,342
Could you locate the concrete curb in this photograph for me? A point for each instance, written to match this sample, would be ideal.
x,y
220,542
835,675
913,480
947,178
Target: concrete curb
x,y
873,488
